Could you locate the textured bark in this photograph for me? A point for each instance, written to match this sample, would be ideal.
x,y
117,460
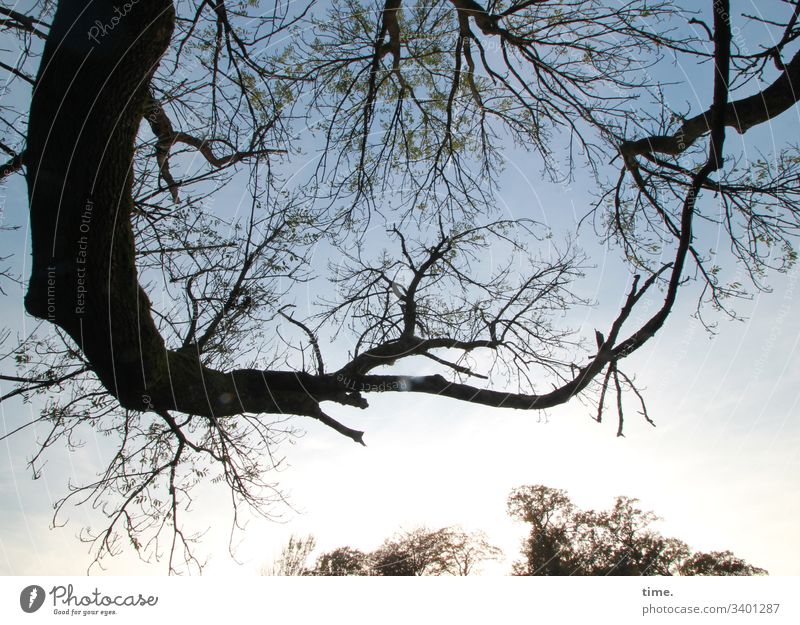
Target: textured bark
x,y
85,114
86,110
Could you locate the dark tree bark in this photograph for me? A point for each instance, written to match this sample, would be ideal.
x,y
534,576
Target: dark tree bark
x,y
85,115
87,107
742,115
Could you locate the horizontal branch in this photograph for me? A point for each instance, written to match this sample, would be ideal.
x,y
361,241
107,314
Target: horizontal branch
x,y
391,351
439,385
741,115
14,164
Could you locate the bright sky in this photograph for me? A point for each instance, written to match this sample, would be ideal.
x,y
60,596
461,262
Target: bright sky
x,y
721,467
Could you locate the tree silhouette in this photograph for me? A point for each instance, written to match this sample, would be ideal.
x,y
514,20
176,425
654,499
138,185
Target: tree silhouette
x,y
342,561
416,552
564,540
170,324
717,563
293,559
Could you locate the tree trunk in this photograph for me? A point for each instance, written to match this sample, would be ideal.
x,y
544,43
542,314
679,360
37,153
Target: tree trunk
x,y
85,114
86,110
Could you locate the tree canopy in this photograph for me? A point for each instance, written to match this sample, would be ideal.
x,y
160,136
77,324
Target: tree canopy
x,y
565,540
415,552
171,322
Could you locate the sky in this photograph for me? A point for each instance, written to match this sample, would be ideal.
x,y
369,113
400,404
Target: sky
x,y
721,466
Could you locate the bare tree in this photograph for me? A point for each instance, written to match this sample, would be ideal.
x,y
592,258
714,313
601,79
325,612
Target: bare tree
x,y
140,117
293,560
464,553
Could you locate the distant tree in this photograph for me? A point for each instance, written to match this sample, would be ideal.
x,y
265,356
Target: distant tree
x,y
447,551
293,560
718,563
462,553
401,558
420,551
548,550
343,561
565,540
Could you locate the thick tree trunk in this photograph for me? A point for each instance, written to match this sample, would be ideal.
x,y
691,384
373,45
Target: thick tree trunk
x,y
85,115
87,107
86,110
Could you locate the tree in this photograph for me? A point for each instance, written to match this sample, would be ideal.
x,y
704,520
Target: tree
x,y
564,540
718,563
416,552
139,116
293,560
463,553
342,561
